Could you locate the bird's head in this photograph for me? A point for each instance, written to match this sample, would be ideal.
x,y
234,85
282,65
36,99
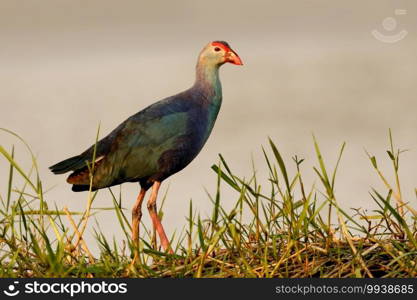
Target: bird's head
x,y
218,53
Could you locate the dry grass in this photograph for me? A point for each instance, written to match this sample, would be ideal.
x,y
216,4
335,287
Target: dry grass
x,y
292,230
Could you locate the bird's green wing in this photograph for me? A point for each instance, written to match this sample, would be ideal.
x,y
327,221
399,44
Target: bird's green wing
x,y
133,151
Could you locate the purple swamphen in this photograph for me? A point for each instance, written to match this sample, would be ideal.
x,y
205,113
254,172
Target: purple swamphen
x,y
156,142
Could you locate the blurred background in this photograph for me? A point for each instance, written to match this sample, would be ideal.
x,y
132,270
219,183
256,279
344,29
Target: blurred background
x,y
343,71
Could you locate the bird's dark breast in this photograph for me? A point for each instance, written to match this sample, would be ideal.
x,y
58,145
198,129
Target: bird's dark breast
x,y
185,147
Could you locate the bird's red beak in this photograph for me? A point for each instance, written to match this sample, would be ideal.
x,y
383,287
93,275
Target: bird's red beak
x,y
233,58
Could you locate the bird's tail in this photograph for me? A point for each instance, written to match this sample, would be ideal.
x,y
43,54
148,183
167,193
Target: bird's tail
x,y
70,164
80,188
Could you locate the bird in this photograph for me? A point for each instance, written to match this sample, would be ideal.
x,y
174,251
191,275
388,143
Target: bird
x,y
157,142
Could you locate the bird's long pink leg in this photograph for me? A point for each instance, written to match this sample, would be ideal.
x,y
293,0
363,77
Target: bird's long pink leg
x,y
154,216
136,216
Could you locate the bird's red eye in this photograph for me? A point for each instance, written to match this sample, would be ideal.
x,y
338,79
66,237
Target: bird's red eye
x,y
217,49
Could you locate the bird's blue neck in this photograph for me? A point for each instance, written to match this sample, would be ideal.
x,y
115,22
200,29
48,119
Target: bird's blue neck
x,y
208,89
208,82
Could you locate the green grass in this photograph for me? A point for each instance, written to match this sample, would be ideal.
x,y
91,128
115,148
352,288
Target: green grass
x,y
277,228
